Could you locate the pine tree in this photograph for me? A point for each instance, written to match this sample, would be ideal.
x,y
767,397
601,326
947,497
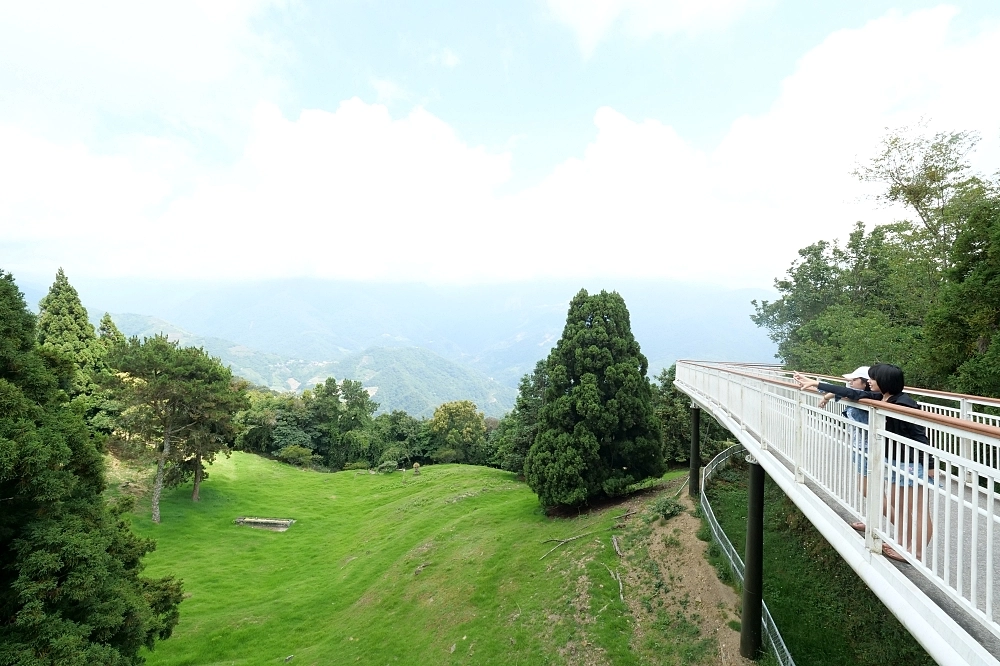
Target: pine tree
x,y
70,590
598,433
178,392
212,430
108,332
63,327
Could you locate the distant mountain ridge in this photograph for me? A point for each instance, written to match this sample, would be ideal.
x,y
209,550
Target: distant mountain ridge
x,y
409,378
289,332
499,330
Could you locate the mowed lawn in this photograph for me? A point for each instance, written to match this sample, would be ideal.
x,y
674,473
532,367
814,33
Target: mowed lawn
x,y
441,568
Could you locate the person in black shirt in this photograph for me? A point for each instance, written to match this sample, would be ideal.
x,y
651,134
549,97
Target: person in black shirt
x,y
887,382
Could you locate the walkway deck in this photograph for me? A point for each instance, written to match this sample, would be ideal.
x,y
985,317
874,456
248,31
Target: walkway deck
x,y
948,598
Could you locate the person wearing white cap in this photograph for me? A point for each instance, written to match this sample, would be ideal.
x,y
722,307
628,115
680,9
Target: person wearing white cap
x,y
909,465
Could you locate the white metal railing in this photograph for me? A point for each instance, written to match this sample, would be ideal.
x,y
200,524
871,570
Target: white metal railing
x,y
975,409
952,498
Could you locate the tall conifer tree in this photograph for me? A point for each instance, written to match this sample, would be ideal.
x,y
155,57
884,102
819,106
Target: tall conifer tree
x,y
63,327
70,590
598,432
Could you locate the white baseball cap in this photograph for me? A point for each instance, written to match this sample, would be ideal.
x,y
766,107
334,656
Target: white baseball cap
x,y
860,373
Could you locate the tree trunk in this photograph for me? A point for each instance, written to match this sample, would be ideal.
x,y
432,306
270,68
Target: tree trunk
x,y
197,478
158,484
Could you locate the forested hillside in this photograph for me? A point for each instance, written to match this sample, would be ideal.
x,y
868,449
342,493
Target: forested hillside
x,y
410,379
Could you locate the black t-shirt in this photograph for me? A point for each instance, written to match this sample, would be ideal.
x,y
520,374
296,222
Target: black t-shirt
x,y
896,426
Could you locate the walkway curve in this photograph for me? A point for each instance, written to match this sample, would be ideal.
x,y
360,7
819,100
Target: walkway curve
x,y
945,598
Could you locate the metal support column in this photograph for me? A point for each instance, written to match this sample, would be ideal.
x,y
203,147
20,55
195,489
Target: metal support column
x,y
753,575
694,480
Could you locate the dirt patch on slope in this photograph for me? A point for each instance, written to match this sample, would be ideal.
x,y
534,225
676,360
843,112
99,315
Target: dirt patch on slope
x,y
669,583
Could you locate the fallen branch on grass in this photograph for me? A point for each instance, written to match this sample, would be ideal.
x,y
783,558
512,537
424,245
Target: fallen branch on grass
x,y
616,576
563,542
614,542
683,483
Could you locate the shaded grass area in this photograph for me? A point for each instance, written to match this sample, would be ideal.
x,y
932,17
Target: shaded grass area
x,y
826,614
441,568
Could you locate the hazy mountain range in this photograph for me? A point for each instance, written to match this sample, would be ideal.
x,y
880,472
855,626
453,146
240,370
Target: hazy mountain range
x,y
418,343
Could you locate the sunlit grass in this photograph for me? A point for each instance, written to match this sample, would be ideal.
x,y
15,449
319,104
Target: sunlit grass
x,y
441,568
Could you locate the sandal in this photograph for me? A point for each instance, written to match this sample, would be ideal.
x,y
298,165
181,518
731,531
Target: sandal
x,y
860,527
892,554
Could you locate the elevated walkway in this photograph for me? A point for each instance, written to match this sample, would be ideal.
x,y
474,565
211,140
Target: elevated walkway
x,y
947,597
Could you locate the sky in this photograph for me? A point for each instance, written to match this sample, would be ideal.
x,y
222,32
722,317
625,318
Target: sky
x,y
458,142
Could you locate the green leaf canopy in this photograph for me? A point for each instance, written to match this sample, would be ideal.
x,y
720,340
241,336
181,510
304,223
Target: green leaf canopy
x,y
598,432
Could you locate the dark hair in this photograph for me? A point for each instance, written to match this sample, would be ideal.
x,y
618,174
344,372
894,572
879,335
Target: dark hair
x,y
889,377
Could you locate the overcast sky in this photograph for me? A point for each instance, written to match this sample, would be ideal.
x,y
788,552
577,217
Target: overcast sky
x,y
465,141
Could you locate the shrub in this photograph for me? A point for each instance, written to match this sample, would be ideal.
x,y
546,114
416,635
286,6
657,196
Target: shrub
x,y
445,456
361,464
666,507
297,455
386,467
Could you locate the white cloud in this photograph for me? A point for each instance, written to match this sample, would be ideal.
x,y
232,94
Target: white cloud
x,y
191,63
592,20
389,91
356,193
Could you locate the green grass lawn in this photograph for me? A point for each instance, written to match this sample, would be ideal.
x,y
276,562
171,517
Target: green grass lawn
x,y
441,568
825,613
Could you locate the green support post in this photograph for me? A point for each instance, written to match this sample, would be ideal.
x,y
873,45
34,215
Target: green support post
x,y
753,573
694,480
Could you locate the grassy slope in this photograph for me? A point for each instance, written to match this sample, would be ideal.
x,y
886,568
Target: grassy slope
x,y
826,614
341,586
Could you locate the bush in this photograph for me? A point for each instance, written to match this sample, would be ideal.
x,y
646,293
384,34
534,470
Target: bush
x,y
387,467
297,455
361,464
445,456
666,507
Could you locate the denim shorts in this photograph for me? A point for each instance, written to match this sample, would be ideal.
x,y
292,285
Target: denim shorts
x,y
913,471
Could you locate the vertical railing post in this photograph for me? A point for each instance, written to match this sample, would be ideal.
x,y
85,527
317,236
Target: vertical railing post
x,y
876,487
694,476
753,572
798,445
762,427
965,443
743,404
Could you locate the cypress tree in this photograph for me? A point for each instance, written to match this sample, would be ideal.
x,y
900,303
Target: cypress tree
x,y
70,589
63,327
108,332
598,432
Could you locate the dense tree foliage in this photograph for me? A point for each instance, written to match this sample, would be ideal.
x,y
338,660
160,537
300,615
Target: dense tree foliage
x,y
597,433
459,430
673,410
70,589
516,431
963,329
332,425
919,294
63,327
